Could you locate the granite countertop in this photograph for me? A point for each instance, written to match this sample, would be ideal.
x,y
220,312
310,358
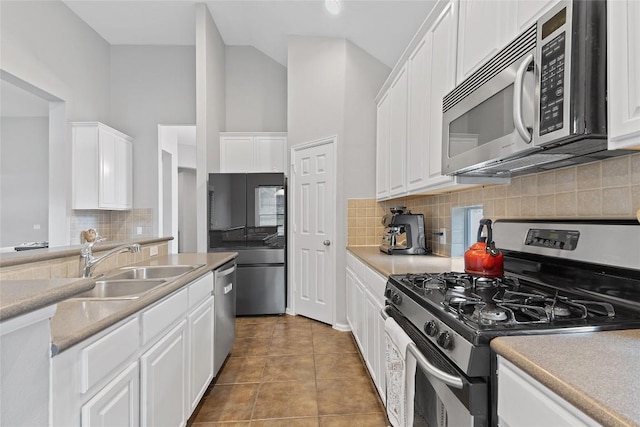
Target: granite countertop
x,y
77,320
597,372
399,264
8,259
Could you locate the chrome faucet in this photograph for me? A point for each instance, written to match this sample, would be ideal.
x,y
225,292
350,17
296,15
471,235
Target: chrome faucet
x,y
88,261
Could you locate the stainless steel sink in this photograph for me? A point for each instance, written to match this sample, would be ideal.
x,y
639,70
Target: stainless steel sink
x,y
120,289
152,272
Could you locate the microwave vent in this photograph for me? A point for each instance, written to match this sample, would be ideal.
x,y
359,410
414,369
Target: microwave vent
x,y
507,56
509,167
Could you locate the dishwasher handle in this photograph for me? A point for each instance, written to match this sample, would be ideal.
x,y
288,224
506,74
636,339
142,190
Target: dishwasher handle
x,y
223,273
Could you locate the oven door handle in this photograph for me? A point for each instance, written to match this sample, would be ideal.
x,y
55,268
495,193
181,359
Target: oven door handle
x,y
448,379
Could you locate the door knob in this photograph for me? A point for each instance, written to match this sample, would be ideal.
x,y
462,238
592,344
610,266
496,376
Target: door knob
x,y
326,242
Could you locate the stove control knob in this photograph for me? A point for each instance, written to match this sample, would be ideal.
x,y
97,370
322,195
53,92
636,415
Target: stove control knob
x,y
431,328
387,293
445,340
396,298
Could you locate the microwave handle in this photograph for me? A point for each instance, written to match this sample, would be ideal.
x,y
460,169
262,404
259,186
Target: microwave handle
x,y
517,99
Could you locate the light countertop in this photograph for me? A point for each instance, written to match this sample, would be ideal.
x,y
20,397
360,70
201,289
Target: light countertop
x,y
76,320
18,297
8,259
399,264
598,372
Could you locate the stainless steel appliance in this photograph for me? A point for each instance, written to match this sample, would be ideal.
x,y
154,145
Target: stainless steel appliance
x,y
560,277
247,214
540,103
224,303
404,233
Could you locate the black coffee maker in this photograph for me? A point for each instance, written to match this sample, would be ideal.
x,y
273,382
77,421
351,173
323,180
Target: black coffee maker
x,y
403,233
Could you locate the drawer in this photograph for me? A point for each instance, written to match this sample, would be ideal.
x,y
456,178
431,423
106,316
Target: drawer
x,y
200,289
100,358
162,315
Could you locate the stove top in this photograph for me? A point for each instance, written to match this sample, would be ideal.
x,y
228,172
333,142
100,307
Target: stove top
x,y
504,303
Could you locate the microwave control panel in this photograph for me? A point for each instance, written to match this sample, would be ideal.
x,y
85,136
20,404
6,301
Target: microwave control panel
x,y
552,239
552,64
552,85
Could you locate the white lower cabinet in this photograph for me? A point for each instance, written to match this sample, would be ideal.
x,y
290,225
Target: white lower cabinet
x,y
201,329
150,369
164,380
365,299
117,404
543,407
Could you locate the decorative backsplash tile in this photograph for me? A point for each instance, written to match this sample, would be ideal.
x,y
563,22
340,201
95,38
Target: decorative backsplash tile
x,y
116,226
604,189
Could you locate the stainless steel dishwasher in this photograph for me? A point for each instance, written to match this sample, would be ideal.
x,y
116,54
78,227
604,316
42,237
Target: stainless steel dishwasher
x,y
224,295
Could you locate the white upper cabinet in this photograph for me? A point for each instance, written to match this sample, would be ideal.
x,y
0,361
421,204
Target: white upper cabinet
x,y
382,148
443,58
419,114
253,152
623,56
486,26
398,134
102,167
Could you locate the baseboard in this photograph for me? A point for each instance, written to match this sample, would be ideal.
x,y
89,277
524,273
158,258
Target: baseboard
x,y
289,312
342,327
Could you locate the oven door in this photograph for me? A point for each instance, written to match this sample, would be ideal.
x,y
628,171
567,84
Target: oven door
x,y
438,394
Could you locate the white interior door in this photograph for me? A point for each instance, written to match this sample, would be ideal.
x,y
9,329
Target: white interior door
x,y
313,207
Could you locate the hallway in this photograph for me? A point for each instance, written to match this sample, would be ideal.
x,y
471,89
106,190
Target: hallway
x,y
291,371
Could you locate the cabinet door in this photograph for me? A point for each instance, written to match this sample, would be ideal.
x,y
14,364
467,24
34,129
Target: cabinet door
x,y
201,342
485,27
623,56
108,164
358,312
371,356
117,404
419,114
443,57
237,154
164,380
382,358
382,148
123,173
350,288
543,405
270,153
528,11
398,134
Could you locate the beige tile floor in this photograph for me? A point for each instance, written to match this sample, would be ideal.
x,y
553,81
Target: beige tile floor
x,y
290,371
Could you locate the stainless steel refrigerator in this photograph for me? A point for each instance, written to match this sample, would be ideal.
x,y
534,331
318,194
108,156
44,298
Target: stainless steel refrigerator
x,y
247,214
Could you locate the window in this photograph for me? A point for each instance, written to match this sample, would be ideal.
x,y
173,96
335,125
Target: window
x,y
465,222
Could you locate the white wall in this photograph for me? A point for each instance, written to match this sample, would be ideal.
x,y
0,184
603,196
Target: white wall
x,y
48,48
256,91
188,236
24,183
332,85
365,75
150,85
210,110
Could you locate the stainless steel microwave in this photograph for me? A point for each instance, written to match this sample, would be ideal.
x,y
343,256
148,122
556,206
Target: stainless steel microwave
x,y
540,103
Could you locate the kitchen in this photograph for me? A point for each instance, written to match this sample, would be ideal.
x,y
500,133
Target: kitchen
x,y
606,189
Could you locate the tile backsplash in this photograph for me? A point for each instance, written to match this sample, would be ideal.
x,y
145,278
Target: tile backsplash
x,y
114,225
604,189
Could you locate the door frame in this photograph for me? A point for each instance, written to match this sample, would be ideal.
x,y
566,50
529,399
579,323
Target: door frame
x,y
291,235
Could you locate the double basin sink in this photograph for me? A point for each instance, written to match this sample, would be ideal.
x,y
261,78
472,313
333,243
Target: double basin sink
x,y
133,282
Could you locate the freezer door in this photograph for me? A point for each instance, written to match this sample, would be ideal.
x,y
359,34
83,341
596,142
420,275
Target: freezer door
x,y
261,290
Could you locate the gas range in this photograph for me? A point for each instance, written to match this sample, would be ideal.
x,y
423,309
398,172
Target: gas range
x,y
552,284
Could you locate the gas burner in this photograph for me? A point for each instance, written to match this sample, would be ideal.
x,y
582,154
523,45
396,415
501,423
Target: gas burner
x,y
424,281
486,282
488,314
557,310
